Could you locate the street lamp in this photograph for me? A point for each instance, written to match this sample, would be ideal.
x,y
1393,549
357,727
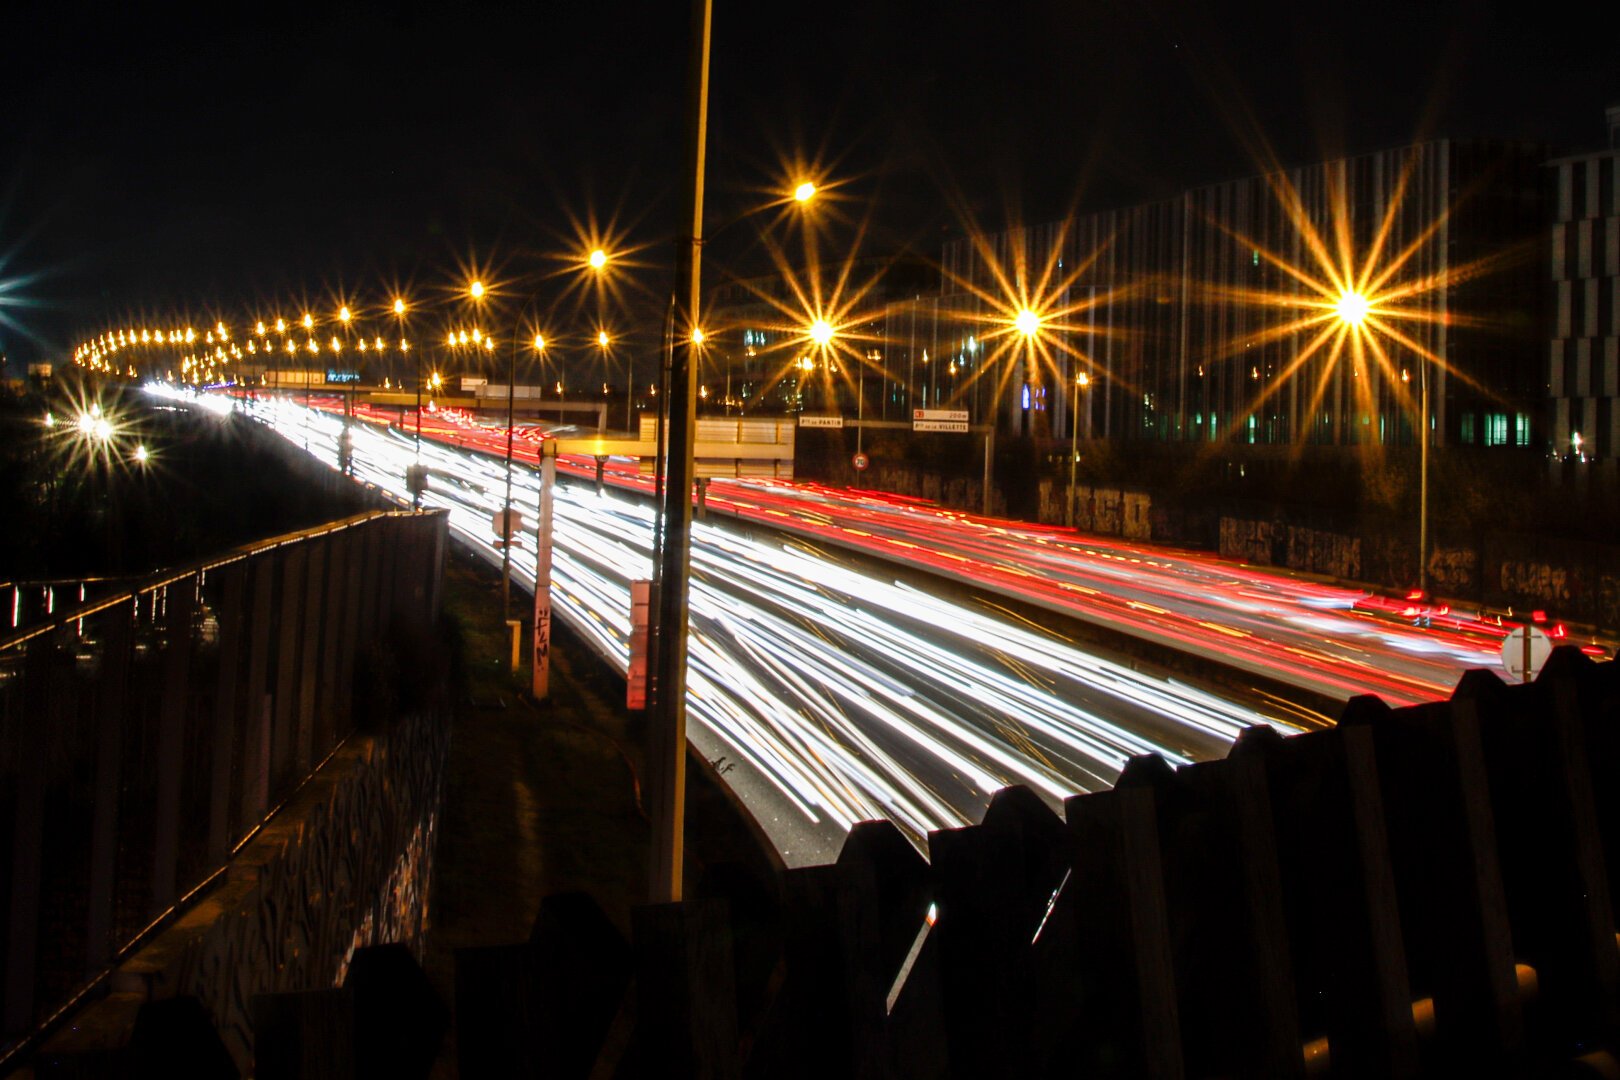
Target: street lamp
x,y
1352,309
1081,381
804,192
1028,325
476,291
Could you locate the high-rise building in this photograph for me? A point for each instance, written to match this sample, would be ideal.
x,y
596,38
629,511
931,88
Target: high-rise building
x,y
1219,314
1583,365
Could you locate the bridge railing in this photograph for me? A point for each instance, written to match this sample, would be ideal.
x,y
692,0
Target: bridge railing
x,y
145,736
1432,890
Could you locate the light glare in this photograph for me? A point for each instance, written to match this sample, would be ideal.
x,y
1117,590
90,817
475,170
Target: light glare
x,y
1352,307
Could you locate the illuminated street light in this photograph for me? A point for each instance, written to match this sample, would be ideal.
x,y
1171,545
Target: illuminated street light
x,y
697,336
804,192
399,305
598,259
1028,323
344,314
141,454
539,343
309,322
1352,308
602,338
1081,381
821,332
476,290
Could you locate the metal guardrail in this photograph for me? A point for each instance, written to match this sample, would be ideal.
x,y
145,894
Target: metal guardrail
x,y
145,736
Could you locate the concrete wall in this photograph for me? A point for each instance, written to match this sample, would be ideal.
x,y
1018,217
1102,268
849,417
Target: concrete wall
x,y
346,863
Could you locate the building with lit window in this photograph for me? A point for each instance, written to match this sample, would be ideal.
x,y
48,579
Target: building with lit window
x,y
1225,314
1583,368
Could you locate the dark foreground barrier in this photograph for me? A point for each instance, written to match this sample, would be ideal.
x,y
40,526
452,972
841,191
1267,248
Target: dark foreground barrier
x,y
148,737
1423,891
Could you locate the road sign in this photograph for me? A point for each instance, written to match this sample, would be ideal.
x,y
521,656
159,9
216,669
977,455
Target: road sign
x,y
1524,651
939,420
861,461
820,421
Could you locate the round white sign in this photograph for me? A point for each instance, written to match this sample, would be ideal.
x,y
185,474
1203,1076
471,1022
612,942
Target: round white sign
x,y
1524,651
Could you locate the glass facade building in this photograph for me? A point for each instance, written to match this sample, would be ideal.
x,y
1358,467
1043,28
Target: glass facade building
x,y
1197,309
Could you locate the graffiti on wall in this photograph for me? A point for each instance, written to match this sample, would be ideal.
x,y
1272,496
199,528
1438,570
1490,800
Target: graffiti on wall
x,y
1251,541
1322,552
1534,579
1454,571
1136,520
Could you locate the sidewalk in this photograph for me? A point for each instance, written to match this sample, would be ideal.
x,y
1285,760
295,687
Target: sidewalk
x,y
544,799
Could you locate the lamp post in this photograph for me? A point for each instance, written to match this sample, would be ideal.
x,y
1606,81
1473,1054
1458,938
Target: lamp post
x,y
667,757
1080,382
476,292
1423,475
1028,325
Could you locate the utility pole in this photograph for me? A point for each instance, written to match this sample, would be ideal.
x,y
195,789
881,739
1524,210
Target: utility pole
x,y
667,736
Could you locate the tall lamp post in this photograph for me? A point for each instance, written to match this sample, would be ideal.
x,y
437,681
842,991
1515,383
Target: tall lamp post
x,y
667,758
1081,380
476,292
1423,475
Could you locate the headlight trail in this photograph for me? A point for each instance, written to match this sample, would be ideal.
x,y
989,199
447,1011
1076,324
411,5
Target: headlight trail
x,y
838,695
1311,635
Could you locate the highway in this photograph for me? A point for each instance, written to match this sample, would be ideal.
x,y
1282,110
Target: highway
x,y
1329,640
825,693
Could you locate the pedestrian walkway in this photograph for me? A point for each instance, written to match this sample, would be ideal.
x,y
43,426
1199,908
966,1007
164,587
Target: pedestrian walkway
x,y
545,799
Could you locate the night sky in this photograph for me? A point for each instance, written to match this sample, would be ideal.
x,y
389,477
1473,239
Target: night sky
x,y
205,159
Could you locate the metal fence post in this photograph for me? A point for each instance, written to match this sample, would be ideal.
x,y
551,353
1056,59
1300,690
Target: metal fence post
x,y
181,602
27,846
309,662
257,713
292,561
113,692
227,701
